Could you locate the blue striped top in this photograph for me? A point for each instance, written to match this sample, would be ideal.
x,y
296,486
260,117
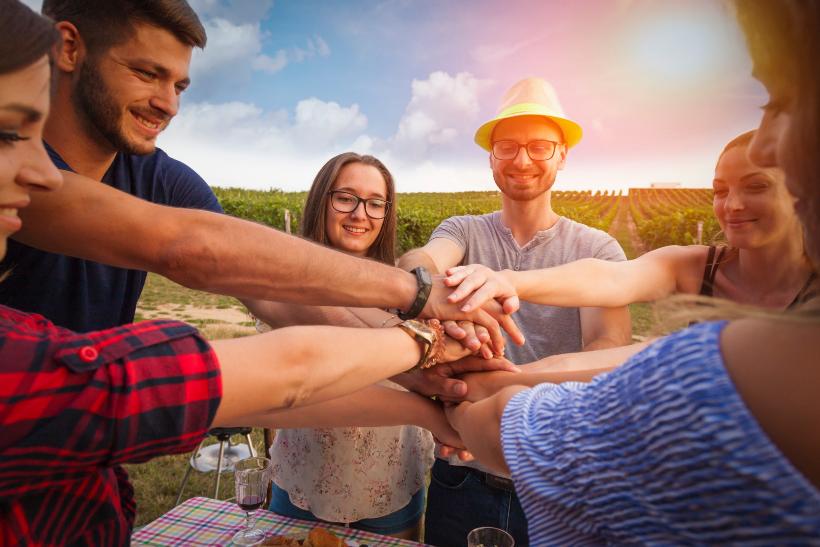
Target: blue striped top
x,y
661,451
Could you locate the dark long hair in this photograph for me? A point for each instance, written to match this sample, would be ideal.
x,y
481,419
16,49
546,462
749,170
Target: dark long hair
x,y
784,41
313,218
26,36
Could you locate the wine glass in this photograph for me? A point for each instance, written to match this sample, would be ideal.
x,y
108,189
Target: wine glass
x,y
251,477
489,537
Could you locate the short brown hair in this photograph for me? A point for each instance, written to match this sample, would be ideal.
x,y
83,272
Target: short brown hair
x,y
27,36
313,218
105,23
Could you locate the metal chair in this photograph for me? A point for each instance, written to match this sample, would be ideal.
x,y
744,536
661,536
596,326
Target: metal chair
x,y
219,457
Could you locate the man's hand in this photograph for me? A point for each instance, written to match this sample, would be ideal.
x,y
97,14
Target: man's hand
x,y
490,315
442,380
481,385
481,285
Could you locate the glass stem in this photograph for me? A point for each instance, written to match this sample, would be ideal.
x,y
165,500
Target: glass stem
x,y
250,521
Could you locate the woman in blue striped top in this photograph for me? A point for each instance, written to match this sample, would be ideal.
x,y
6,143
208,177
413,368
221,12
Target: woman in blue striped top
x,y
708,435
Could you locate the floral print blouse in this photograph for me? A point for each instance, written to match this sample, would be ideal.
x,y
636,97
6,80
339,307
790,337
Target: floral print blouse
x,y
352,473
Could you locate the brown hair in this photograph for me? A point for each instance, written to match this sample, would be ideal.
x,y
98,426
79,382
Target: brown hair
x,y
27,36
741,140
784,42
313,218
105,23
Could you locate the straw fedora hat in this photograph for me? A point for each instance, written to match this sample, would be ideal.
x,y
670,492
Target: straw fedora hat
x,y
530,97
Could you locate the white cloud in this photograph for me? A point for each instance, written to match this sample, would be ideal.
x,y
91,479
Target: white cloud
x,y
240,144
272,65
236,11
315,46
441,111
229,47
235,49
326,123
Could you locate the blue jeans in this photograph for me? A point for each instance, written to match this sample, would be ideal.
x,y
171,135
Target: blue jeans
x,y
459,500
404,518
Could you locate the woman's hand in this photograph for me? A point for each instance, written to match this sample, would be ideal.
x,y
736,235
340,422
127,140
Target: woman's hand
x,y
474,337
481,284
442,431
453,350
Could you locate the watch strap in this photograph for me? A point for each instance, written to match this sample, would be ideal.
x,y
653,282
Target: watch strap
x,y
425,285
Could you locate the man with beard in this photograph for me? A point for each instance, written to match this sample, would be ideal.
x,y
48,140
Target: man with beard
x,y
527,142
118,81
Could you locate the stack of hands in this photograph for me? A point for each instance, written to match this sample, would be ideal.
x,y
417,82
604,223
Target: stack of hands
x,y
473,366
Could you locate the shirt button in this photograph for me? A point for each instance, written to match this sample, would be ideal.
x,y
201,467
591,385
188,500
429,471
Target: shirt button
x,y
89,354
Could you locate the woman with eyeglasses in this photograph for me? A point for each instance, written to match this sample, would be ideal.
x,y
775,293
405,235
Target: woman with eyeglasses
x,y
369,477
75,406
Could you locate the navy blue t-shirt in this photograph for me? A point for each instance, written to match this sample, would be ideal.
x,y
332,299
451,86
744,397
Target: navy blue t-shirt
x,y
82,295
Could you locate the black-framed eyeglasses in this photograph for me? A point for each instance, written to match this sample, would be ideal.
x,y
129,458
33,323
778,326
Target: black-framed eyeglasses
x,y
345,202
539,150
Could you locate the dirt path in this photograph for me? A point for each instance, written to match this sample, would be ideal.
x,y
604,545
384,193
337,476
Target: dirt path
x,y
623,229
212,322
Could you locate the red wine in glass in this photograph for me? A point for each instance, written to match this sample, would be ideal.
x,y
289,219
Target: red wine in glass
x,y
251,478
250,503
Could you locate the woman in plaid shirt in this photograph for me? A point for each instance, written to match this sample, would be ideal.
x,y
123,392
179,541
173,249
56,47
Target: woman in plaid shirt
x,y
73,407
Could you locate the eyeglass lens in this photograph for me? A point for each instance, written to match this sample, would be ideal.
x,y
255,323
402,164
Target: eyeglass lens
x,y
345,202
536,150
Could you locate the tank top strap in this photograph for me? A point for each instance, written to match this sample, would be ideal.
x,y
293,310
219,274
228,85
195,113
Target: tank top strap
x,y
806,293
710,271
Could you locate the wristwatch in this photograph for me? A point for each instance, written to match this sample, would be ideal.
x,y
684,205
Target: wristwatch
x,y
425,284
424,335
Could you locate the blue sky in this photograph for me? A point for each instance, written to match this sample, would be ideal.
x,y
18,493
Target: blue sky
x,y
658,85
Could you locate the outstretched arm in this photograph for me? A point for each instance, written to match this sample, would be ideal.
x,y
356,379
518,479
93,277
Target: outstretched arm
x,y
588,282
297,366
204,250
373,406
221,254
555,369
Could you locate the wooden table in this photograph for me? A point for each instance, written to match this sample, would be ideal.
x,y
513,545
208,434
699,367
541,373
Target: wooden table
x,y
205,521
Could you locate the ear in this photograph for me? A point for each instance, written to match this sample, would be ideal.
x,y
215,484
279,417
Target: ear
x,y
73,50
562,158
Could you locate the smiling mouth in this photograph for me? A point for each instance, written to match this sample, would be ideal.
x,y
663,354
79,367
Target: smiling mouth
x,y
740,222
355,230
145,122
9,218
523,177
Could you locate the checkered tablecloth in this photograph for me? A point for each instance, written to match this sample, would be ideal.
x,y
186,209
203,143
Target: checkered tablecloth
x,y
205,521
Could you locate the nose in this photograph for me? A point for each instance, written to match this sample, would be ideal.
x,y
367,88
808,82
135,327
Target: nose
x,y
734,201
522,159
37,171
359,211
762,150
166,99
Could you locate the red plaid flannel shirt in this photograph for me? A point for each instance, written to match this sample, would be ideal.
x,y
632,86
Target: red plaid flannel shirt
x,y
75,406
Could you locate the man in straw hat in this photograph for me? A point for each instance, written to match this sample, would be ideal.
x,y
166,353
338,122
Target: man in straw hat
x,y
527,143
